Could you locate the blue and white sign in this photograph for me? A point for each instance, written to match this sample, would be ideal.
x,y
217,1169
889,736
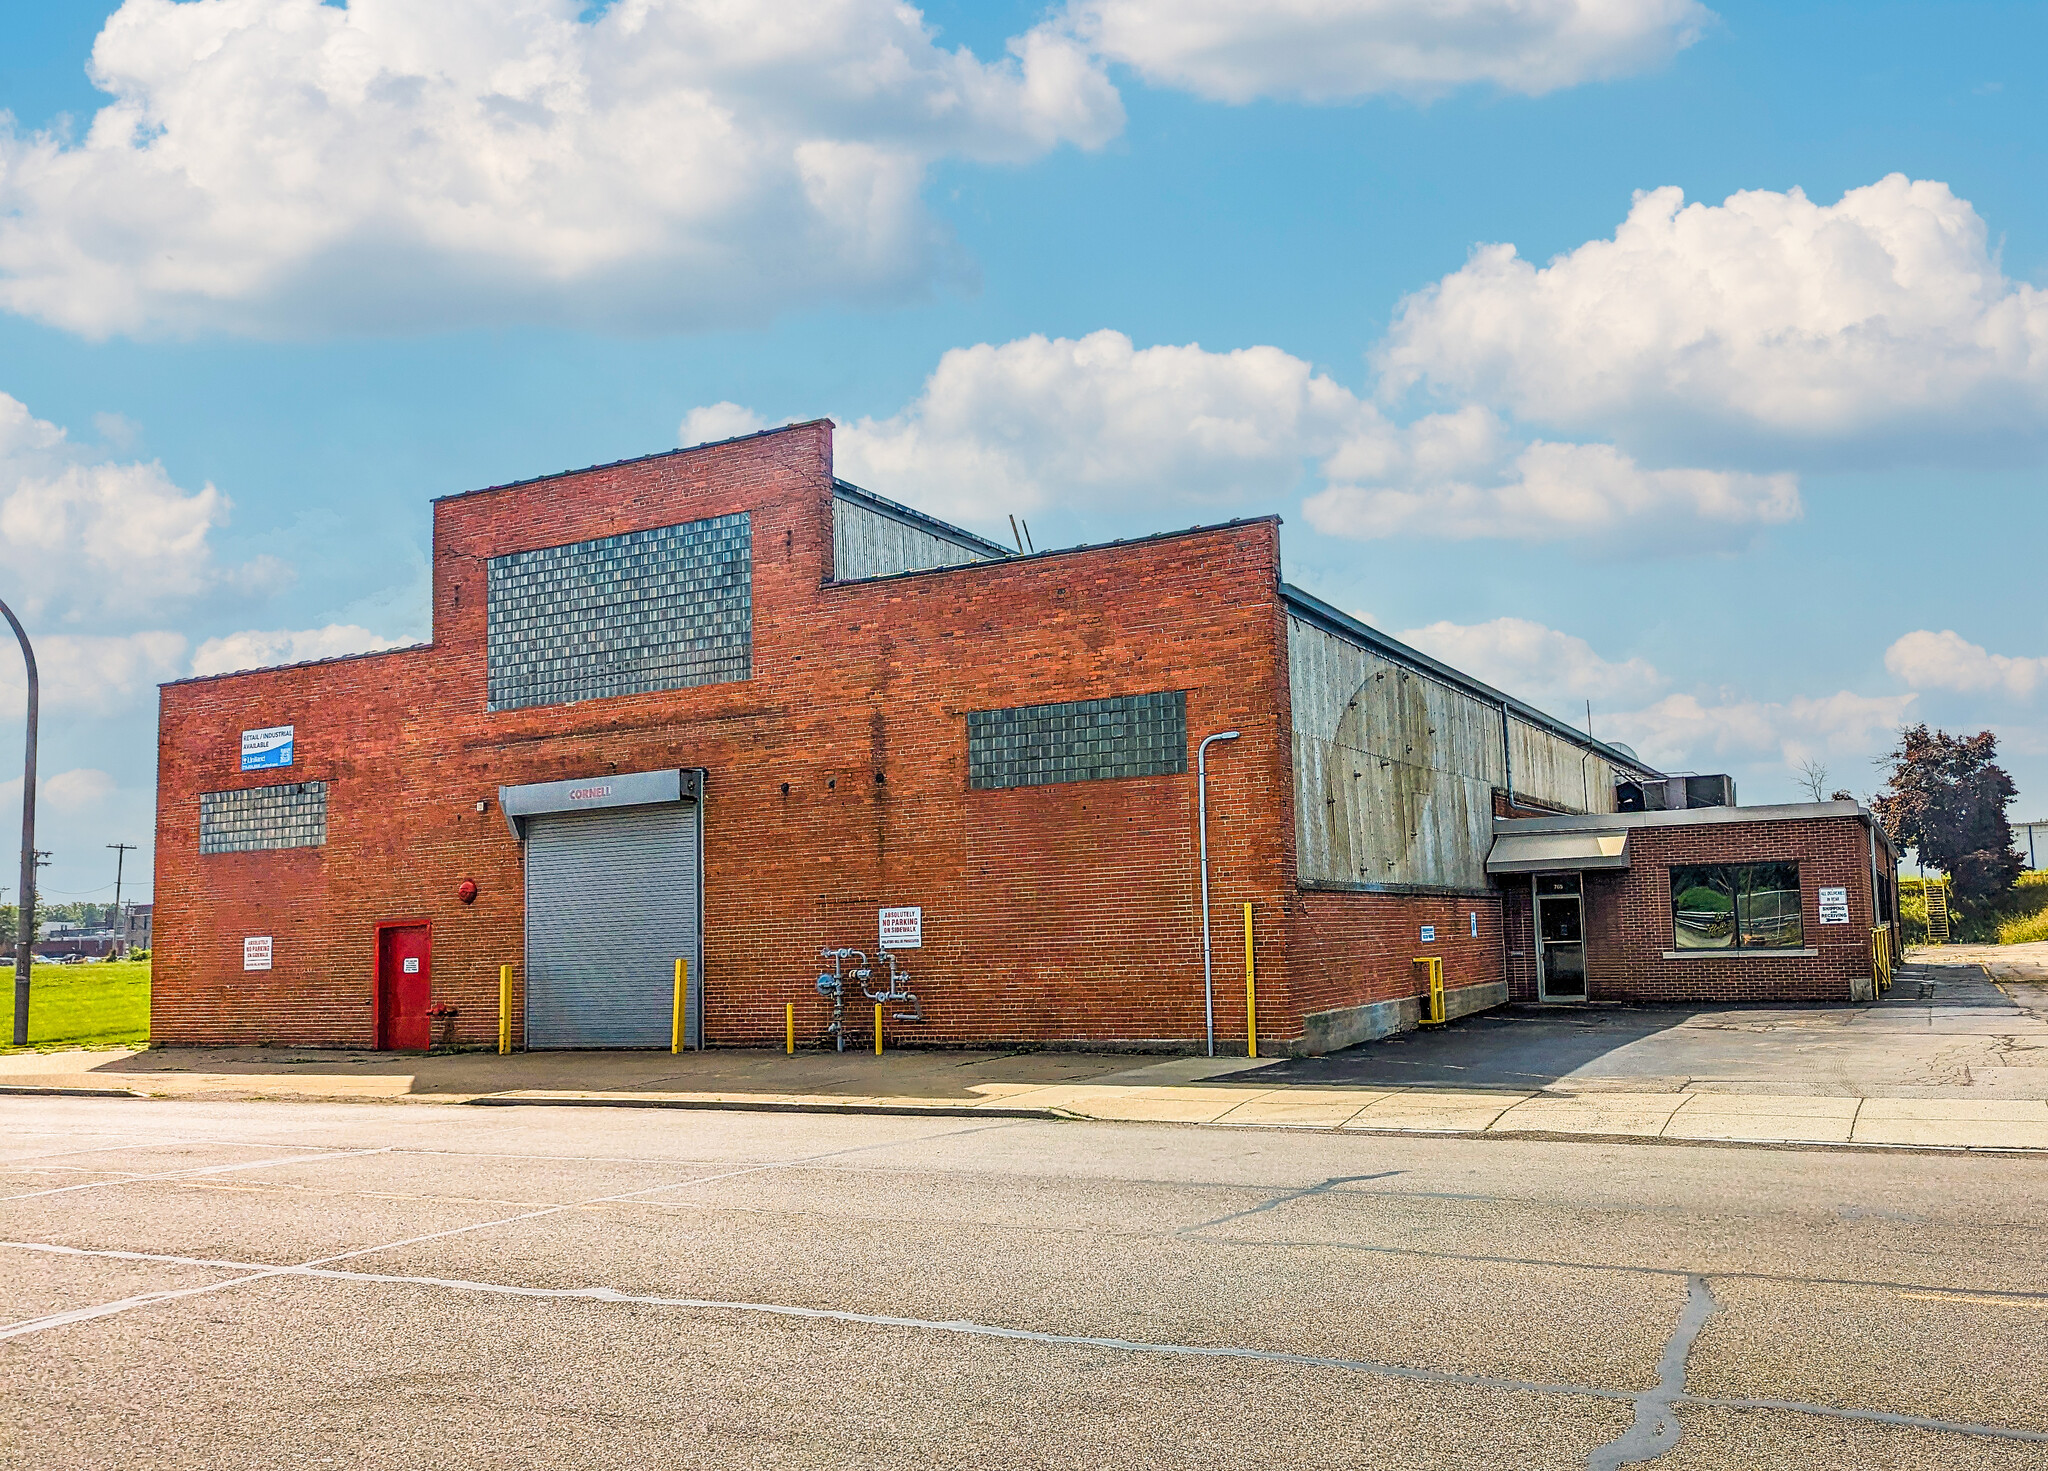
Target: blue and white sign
x,y
264,749
1428,933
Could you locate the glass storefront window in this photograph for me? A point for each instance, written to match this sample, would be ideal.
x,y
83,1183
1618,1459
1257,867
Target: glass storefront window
x,y
1736,906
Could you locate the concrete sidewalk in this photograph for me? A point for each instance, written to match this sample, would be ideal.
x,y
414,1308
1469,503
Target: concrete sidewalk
x,y
1224,1091
1602,1100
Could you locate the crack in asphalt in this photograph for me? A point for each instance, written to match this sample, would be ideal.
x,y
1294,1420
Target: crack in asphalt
x,y
1277,1201
1656,1429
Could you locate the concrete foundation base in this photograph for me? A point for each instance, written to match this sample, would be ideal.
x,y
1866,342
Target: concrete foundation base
x,y
1347,1026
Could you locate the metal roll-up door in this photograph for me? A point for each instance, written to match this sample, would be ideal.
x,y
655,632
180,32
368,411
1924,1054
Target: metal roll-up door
x,y
612,902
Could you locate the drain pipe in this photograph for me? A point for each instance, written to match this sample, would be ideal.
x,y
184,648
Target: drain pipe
x,y
1202,828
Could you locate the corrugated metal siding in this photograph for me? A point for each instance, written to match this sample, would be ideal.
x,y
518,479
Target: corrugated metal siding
x,y
611,905
1551,770
866,543
1393,771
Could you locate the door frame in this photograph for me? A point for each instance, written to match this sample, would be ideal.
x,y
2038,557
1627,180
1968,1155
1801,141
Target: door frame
x,y
1536,931
376,970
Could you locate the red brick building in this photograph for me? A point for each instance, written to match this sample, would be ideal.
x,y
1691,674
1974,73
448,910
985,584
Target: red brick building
x,y
719,706
1723,903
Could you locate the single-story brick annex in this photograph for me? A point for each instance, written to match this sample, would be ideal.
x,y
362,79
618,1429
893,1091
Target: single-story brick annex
x,y
718,706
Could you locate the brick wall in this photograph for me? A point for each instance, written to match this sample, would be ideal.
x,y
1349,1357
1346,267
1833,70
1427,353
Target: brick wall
x,y
1348,948
1628,915
836,781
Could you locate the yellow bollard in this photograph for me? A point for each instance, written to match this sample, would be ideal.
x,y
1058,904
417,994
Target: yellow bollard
x,y
789,1028
1251,993
878,1029
504,1009
680,1017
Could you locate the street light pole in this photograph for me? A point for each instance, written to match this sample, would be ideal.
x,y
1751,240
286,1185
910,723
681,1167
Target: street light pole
x,y
25,928
1202,827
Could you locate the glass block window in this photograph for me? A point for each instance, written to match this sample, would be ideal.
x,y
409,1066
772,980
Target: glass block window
x,y
290,816
1082,740
623,615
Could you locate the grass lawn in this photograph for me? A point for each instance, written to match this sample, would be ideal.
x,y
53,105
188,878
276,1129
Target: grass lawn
x,y
105,1004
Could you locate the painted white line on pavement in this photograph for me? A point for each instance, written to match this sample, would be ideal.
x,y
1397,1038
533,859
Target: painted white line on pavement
x,y
101,1310
969,1328
195,1172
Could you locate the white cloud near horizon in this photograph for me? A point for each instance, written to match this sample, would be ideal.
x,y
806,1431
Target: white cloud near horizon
x,y
1684,730
92,675
1343,50
104,541
1548,668
288,167
1097,423
1948,661
1885,312
265,648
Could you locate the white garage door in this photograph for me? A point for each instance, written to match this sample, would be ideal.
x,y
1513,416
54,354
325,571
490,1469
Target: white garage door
x,y
612,902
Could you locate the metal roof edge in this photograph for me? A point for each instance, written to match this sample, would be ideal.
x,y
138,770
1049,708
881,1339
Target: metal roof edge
x,y
1336,620
1685,817
895,510
1014,560
296,664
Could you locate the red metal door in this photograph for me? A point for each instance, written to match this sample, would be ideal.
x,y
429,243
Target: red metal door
x,y
405,988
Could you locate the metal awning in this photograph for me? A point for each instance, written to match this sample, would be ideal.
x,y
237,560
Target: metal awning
x,y
1544,852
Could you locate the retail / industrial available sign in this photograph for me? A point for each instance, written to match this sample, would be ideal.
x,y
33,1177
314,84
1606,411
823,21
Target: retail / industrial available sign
x,y
903,929
264,749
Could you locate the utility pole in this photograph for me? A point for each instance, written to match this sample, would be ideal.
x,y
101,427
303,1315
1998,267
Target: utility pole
x,y
25,937
121,852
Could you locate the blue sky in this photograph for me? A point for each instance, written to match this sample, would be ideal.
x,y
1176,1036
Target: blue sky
x,y
1759,477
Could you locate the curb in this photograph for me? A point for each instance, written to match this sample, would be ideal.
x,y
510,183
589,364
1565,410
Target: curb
x,y
20,1089
887,1110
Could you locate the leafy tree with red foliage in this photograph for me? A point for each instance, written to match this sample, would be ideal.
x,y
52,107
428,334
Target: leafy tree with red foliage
x,y
1945,796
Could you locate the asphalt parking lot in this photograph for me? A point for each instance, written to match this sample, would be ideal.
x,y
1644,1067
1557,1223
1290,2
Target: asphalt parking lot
x,y
1942,1031
270,1284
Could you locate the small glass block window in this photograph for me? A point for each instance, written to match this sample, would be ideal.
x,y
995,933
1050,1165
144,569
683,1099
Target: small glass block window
x,y
1081,740
255,818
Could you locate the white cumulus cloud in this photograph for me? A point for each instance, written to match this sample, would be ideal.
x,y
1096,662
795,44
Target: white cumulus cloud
x,y
280,166
90,674
1548,668
1097,423
1336,50
1948,661
263,648
717,421
1684,730
102,539
1545,492
1073,421
1885,312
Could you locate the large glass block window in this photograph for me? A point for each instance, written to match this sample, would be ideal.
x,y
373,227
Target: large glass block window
x,y
1736,906
622,615
1081,740
290,816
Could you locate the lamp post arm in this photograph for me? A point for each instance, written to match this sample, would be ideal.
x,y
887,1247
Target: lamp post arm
x,y
25,926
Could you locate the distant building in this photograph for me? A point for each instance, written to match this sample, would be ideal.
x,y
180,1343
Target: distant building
x,y
2031,838
136,926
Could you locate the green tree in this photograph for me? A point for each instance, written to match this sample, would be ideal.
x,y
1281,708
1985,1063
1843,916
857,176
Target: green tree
x,y
1945,796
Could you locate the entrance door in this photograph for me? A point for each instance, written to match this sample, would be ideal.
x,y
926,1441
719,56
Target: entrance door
x,y
612,903
1560,938
405,987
